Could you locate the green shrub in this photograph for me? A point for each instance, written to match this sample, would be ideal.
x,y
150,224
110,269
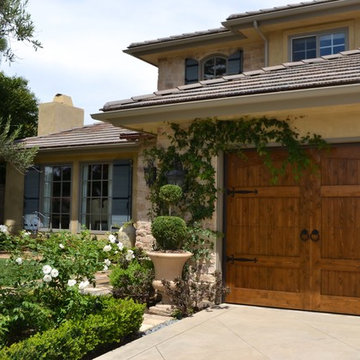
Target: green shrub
x,y
75,338
170,194
169,232
134,282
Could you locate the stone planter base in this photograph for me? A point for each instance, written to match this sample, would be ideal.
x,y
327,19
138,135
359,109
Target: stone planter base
x,y
168,266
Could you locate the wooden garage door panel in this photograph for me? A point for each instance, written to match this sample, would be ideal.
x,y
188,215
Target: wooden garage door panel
x,y
265,224
340,283
267,278
265,240
321,274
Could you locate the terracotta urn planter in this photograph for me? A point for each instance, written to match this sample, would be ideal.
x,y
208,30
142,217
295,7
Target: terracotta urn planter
x,y
168,266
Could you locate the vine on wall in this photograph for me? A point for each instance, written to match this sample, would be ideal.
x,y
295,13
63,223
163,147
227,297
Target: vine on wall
x,y
196,146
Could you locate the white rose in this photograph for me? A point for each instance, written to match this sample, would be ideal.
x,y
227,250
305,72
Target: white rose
x,y
61,246
107,248
47,278
130,255
83,284
46,269
4,229
112,238
27,233
107,262
19,260
54,273
120,245
106,268
71,282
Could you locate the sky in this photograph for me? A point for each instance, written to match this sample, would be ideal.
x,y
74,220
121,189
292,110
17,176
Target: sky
x,y
83,41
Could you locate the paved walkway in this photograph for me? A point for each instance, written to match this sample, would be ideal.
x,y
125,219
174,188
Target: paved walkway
x,y
236,332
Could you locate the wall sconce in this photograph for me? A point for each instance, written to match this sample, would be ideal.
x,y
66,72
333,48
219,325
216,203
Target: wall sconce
x,y
176,176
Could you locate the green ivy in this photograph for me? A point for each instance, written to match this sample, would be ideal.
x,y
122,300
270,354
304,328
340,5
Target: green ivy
x,y
196,146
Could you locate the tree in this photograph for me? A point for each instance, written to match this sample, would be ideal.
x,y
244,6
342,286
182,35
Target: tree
x,y
15,23
14,152
19,105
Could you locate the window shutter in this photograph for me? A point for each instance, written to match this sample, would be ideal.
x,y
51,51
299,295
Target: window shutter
x,y
121,192
31,196
191,71
235,63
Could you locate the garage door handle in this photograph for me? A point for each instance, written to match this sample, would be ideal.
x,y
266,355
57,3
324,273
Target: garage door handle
x,y
304,235
315,235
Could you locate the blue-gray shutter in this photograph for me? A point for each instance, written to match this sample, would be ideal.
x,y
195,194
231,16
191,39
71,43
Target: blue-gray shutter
x,y
191,71
32,191
121,191
235,63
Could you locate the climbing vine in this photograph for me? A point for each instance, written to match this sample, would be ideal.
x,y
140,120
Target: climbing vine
x,y
195,147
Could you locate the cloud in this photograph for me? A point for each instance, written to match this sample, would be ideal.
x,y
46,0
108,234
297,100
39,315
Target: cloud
x,y
83,42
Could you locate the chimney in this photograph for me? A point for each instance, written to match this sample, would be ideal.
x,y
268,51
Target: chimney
x,y
59,115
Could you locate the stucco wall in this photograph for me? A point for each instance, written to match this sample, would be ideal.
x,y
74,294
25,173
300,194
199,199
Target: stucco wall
x,y
14,191
14,199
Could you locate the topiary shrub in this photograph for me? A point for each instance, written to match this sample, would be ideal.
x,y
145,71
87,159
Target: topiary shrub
x,y
170,194
169,232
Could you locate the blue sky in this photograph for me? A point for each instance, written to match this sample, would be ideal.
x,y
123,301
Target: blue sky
x,y
83,42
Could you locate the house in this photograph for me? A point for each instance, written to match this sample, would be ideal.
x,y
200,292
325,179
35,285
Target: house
x,y
299,62
82,175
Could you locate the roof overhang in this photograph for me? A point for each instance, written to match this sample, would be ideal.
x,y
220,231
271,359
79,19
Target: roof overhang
x,y
291,14
144,50
246,105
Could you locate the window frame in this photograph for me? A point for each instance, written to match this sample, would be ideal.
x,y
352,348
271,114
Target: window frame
x,y
317,35
209,57
41,168
111,164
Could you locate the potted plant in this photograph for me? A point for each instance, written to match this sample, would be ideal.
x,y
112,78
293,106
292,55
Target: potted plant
x,y
169,232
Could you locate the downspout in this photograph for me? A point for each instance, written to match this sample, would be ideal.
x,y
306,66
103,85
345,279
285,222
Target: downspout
x,y
266,42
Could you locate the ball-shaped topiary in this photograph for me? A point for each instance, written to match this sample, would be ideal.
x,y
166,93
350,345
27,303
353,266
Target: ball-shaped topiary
x,y
170,194
169,232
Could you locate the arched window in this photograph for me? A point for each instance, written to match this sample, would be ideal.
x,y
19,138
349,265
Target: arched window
x,y
214,67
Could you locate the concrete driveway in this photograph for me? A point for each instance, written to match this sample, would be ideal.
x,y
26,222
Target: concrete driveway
x,y
233,332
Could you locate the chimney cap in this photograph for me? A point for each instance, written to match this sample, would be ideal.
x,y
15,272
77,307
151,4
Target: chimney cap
x,y
63,99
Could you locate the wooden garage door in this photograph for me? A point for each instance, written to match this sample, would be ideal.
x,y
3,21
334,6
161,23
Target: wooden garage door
x,y
295,245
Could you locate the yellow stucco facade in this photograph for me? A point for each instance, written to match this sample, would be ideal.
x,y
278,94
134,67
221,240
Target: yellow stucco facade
x,y
14,194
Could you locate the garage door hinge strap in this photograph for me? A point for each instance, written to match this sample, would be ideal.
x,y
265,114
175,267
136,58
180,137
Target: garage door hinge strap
x,y
232,192
231,258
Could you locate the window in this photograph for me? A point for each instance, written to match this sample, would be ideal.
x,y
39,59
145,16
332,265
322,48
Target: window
x,y
213,67
48,191
106,195
313,46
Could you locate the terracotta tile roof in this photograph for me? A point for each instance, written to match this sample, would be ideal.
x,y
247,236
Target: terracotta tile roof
x,y
180,37
89,135
332,70
279,8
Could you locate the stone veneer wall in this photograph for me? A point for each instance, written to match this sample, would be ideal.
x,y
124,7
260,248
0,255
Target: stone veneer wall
x,y
171,71
144,239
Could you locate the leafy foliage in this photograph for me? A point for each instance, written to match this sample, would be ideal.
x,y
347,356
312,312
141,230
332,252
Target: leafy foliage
x,y
198,144
15,23
39,294
115,320
133,281
169,231
18,106
14,152
190,295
